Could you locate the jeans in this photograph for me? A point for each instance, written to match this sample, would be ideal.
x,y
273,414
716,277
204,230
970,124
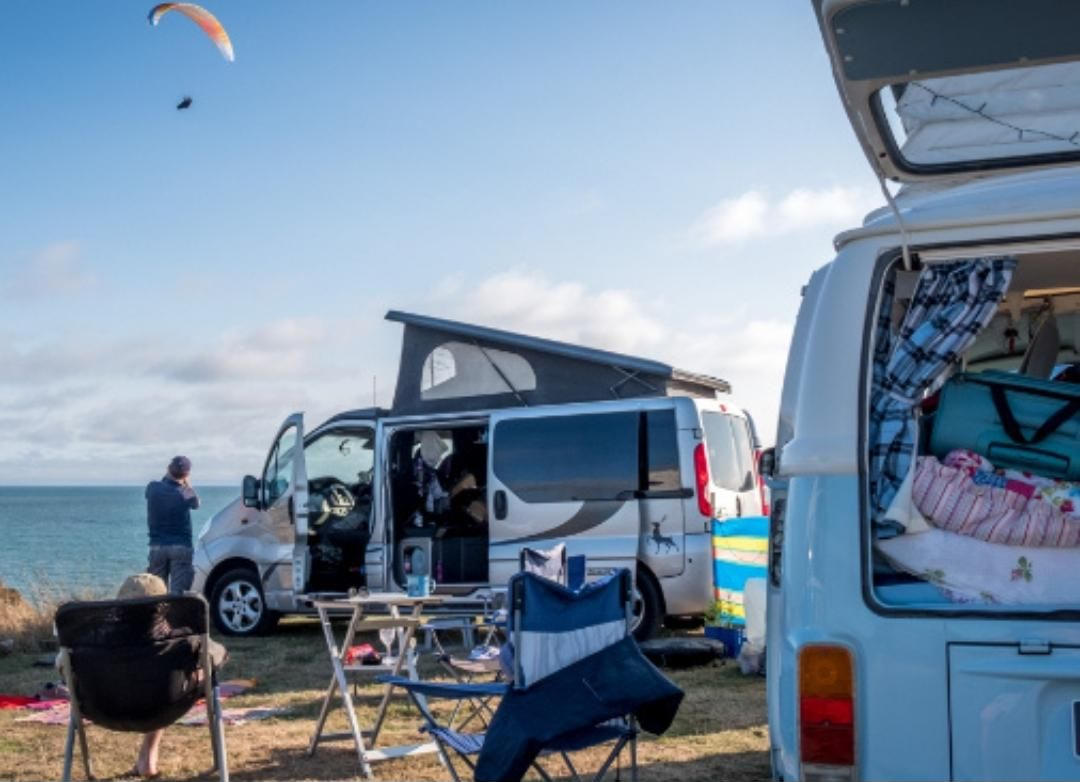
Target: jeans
x,y
172,564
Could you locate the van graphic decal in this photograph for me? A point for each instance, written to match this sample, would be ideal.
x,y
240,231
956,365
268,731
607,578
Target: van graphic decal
x,y
591,514
662,540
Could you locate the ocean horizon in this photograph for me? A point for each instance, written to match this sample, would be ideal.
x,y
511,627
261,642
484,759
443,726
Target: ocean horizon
x,y
81,540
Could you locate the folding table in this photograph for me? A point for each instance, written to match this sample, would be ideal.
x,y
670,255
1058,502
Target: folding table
x,y
361,620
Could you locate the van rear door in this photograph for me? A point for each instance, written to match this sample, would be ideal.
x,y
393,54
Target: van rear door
x,y
1014,711
730,454
952,89
570,476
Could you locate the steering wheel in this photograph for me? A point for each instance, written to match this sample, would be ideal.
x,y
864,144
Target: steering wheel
x,y
336,502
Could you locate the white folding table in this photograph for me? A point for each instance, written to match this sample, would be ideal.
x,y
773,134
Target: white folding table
x,y
361,620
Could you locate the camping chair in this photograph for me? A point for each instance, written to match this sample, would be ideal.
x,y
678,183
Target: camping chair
x,y
137,665
553,564
542,613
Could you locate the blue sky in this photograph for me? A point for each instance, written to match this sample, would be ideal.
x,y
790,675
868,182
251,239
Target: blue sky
x,y
654,178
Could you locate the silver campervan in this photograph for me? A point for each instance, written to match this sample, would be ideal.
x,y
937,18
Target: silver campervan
x,y
495,441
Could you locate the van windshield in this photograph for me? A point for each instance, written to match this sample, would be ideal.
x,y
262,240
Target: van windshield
x,y
727,441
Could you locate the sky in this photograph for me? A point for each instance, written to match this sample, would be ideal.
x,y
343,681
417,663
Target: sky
x,y
653,178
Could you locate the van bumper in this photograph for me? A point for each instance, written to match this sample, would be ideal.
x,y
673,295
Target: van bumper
x,y
691,592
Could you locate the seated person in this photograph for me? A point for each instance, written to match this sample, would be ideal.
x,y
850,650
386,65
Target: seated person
x,y
147,585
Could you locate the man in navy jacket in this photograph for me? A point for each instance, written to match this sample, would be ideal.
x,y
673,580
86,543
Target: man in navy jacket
x,y
169,503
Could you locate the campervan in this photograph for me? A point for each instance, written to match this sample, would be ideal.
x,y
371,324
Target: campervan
x,y
495,441
924,568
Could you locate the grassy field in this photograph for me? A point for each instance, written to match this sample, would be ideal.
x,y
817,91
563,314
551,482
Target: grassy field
x,y
720,733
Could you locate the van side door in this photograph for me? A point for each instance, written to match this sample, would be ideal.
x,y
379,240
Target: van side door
x,y
661,493
284,496
568,477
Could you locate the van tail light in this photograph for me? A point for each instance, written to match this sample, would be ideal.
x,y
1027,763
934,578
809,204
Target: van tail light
x,y
826,712
762,488
701,480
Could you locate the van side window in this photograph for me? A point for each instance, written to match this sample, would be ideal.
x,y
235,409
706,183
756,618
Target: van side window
x,y
278,472
728,444
662,452
569,458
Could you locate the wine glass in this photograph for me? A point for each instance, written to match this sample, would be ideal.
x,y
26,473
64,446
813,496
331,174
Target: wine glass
x,y
387,635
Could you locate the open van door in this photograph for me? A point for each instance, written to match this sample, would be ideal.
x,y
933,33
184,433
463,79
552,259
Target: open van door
x,y
284,495
571,477
948,89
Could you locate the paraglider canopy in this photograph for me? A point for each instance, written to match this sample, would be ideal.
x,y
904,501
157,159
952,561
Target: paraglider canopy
x,y
184,103
206,20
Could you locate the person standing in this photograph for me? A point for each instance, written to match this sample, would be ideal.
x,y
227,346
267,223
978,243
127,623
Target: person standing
x,y
169,503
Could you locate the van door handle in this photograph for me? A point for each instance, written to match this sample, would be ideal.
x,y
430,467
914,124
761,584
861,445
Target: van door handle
x,y
500,504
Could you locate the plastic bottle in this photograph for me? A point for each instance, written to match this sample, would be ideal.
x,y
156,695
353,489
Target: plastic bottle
x,y
418,560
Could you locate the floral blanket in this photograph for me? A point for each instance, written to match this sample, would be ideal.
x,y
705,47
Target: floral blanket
x,y
969,570
965,494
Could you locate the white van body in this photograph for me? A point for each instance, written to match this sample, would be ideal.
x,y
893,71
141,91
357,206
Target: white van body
x,y
629,483
941,690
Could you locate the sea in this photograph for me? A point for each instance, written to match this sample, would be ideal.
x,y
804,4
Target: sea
x,y
61,541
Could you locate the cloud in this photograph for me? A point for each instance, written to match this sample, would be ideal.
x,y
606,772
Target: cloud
x,y
58,269
750,352
754,215
95,410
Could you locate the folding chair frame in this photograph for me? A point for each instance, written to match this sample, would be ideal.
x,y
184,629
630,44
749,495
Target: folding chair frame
x,y
628,738
213,709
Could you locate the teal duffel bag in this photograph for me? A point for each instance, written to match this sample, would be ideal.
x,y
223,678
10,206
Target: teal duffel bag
x,y
1014,421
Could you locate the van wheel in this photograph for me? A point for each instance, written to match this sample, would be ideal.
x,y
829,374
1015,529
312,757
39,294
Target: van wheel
x,y
648,606
238,606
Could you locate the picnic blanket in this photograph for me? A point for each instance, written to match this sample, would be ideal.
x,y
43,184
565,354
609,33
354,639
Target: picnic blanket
x,y
57,712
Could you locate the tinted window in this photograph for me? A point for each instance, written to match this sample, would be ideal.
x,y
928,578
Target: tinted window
x,y
728,459
663,451
569,458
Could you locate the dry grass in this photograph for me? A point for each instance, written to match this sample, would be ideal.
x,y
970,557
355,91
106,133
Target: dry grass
x,y
28,619
719,734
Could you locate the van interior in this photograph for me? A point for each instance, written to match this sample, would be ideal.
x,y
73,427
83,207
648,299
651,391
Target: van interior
x,y
438,503
340,467
988,513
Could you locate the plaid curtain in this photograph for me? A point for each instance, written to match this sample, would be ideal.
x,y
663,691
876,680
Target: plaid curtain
x,y
953,302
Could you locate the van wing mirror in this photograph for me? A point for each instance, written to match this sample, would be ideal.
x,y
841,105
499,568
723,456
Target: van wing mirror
x,y
767,463
250,491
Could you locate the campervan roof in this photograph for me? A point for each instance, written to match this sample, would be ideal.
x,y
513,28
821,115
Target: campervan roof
x,y
449,366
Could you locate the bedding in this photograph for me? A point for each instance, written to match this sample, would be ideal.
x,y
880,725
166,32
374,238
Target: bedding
x,y
966,495
970,570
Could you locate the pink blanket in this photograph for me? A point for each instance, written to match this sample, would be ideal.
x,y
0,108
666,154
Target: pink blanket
x,y
965,494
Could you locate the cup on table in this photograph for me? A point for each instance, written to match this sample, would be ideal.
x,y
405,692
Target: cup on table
x,y
420,586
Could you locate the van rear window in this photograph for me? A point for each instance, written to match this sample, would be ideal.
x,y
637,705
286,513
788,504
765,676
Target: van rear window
x,y
728,443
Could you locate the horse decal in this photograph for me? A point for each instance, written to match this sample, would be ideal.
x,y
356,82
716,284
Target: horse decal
x,y
662,540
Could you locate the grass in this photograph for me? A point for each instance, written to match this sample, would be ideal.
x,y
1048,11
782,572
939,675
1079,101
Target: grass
x,y
28,620
719,734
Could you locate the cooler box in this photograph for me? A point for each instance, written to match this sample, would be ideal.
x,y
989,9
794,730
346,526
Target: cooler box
x,y
740,552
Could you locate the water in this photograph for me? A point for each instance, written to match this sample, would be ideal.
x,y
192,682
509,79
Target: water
x,y
81,539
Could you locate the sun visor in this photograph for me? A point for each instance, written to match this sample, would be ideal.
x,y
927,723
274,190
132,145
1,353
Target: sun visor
x,y
940,89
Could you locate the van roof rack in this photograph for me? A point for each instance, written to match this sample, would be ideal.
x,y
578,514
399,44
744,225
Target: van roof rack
x,y
447,365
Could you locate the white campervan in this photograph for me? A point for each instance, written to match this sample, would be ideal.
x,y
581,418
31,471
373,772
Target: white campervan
x,y
924,562
495,441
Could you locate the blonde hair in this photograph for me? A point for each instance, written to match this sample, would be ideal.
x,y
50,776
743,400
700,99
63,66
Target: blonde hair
x,y
142,585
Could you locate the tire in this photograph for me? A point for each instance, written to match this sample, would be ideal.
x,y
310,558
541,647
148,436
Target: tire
x,y
238,606
648,606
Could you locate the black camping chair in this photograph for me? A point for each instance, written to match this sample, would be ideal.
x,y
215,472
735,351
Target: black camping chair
x,y
137,665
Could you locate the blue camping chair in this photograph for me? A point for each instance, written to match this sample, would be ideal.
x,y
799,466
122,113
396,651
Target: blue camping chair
x,y
551,628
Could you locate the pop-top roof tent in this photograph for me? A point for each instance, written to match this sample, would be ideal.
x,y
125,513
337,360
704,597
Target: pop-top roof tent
x,y
448,366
